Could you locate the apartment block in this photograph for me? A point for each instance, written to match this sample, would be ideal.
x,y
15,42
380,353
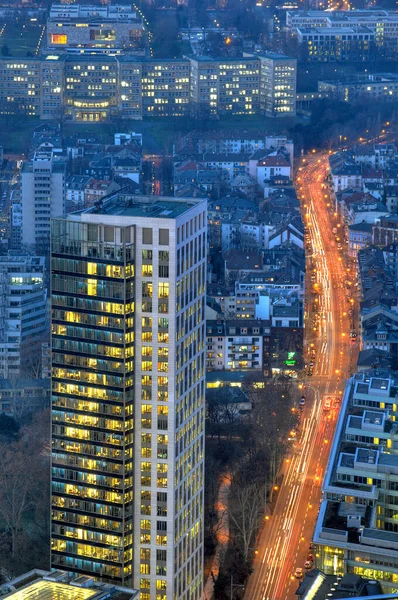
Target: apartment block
x,y
128,357
230,85
42,197
165,88
92,87
357,530
23,312
233,344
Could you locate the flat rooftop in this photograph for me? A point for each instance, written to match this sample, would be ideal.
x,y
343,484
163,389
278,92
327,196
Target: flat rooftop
x,y
50,590
142,206
59,585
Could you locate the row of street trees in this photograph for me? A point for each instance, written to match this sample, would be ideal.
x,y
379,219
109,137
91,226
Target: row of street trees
x,y
250,450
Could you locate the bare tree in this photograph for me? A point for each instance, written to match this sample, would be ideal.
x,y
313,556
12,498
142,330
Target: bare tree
x,y
245,508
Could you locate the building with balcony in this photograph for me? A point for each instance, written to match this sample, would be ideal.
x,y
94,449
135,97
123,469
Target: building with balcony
x,y
357,530
23,312
128,360
236,345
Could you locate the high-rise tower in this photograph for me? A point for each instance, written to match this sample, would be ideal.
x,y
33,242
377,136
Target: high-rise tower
x,y
128,358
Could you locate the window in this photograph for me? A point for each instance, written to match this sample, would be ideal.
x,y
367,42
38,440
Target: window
x,y
163,237
59,38
146,235
109,234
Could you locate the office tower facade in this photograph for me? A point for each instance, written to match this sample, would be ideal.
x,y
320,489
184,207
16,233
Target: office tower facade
x,y
43,197
23,312
128,357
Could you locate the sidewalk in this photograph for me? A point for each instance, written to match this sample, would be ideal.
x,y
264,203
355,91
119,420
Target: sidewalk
x,y
222,535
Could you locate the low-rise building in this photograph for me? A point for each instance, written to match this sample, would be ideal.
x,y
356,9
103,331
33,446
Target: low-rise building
x,y
237,345
370,88
359,236
356,529
52,585
96,27
336,44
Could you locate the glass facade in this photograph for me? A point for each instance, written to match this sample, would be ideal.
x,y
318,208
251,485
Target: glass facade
x,y
128,339
92,271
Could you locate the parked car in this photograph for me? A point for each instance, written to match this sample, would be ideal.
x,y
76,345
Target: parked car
x,y
308,564
299,573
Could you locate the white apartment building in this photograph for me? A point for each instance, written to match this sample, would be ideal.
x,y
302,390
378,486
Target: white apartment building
x,y
357,529
23,311
128,297
42,197
236,345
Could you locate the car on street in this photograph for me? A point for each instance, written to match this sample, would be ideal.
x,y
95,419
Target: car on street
x,y
302,400
308,564
327,404
299,573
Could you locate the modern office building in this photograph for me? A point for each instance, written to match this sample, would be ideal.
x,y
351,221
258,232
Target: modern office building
x,y
94,27
382,23
86,87
336,44
229,85
278,77
23,312
357,527
42,197
165,88
128,356
370,88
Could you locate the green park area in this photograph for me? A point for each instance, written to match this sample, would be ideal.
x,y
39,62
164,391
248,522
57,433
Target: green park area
x,y
19,39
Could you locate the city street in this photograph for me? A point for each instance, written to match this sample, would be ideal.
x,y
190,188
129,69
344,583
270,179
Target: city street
x,y
283,544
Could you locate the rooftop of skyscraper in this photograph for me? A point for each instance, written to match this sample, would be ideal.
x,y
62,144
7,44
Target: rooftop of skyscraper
x,y
59,585
162,207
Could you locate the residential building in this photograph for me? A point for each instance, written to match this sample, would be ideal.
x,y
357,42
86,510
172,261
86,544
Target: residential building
x,y
75,186
42,197
237,345
356,530
128,341
52,585
94,27
23,314
96,189
359,237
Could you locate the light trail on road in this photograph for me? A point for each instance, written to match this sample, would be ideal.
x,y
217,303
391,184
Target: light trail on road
x,y
283,543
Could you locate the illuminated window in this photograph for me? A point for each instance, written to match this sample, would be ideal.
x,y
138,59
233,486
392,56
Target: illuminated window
x,y
59,38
